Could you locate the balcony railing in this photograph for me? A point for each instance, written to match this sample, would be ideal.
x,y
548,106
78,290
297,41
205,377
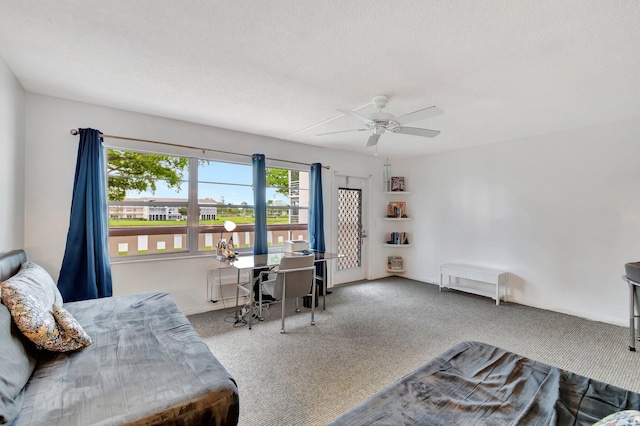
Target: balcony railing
x,y
140,240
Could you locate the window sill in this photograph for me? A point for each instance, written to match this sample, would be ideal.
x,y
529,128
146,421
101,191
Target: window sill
x,y
161,257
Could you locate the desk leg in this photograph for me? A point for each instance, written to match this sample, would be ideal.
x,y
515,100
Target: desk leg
x,y
324,285
313,301
237,296
260,317
632,318
282,302
253,282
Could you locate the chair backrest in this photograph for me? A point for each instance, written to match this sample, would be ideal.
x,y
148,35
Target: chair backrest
x,y
298,283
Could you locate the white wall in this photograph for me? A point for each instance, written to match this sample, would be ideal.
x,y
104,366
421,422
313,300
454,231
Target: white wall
x,y
50,164
12,160
560,211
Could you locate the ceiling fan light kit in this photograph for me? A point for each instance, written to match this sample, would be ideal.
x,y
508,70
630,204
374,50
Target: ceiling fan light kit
x,y
379,122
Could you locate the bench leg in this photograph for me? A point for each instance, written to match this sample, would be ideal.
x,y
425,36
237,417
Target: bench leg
x,y
636,302
632,318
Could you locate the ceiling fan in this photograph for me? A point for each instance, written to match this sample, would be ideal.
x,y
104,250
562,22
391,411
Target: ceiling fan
x,y
380,122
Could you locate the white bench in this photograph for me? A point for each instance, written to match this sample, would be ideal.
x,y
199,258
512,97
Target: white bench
x,y
496,277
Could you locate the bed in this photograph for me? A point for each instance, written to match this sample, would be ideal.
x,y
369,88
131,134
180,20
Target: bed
x,y
146,365
475,383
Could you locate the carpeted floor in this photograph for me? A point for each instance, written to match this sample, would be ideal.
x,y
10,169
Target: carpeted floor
x,y
373,333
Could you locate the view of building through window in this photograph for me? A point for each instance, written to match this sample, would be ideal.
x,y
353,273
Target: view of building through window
x,y
149,210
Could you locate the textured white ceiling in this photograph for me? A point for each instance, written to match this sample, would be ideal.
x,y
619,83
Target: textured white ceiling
x,y
500,70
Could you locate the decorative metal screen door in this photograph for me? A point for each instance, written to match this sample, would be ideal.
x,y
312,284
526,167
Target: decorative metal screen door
x,y
349,228
350,221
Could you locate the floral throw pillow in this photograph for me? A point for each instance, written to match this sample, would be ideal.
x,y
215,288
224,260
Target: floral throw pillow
x,y
33,315
72,330
621,418
35,275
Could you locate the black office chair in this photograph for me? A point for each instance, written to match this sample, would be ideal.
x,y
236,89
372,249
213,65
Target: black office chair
x,y
294,277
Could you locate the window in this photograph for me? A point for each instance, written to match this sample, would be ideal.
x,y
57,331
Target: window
x,y
224,193
148,194
287,205
150,210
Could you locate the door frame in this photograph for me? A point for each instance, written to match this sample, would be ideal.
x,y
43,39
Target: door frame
x,y
337,179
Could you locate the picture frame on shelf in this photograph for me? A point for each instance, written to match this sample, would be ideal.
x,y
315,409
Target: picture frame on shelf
x,y
397,209
397,183
395,263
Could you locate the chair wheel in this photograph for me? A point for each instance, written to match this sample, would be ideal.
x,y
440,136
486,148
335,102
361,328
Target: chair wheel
x,y
282,331
298,310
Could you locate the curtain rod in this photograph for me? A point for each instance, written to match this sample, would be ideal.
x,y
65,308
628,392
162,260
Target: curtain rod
x,y
76,132
337,173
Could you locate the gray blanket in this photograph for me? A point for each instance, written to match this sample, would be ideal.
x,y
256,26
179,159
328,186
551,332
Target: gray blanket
x,y
147,365
478,384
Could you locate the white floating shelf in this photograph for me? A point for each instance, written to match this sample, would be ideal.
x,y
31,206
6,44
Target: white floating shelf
x,y
397,192
396,271
397,219
397,245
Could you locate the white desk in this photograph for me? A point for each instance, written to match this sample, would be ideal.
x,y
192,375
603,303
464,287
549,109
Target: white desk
x,y
496,277
260,261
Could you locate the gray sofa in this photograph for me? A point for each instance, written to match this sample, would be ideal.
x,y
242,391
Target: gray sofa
x,y
475,383
146,365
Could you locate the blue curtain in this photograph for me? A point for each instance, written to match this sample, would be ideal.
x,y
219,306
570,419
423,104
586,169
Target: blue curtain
x,y
260,204
316,213
316,208
86,272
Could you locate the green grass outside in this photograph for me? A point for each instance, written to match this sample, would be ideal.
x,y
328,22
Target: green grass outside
x,y
239,220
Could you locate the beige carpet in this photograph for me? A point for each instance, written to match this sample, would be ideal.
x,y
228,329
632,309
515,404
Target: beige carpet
x,y
375,332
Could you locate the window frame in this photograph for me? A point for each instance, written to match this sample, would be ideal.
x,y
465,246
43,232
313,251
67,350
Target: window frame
x,y
193,229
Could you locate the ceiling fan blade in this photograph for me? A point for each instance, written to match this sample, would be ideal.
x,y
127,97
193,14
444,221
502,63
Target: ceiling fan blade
x,y
355,115
417,132
373,140
342,131
419,115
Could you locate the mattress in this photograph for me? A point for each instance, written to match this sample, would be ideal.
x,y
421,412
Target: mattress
x,y
478,384
147,365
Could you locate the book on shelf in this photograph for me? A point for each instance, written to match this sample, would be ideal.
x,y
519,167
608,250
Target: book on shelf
x,y
397,209
395,263
397,183
398,238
